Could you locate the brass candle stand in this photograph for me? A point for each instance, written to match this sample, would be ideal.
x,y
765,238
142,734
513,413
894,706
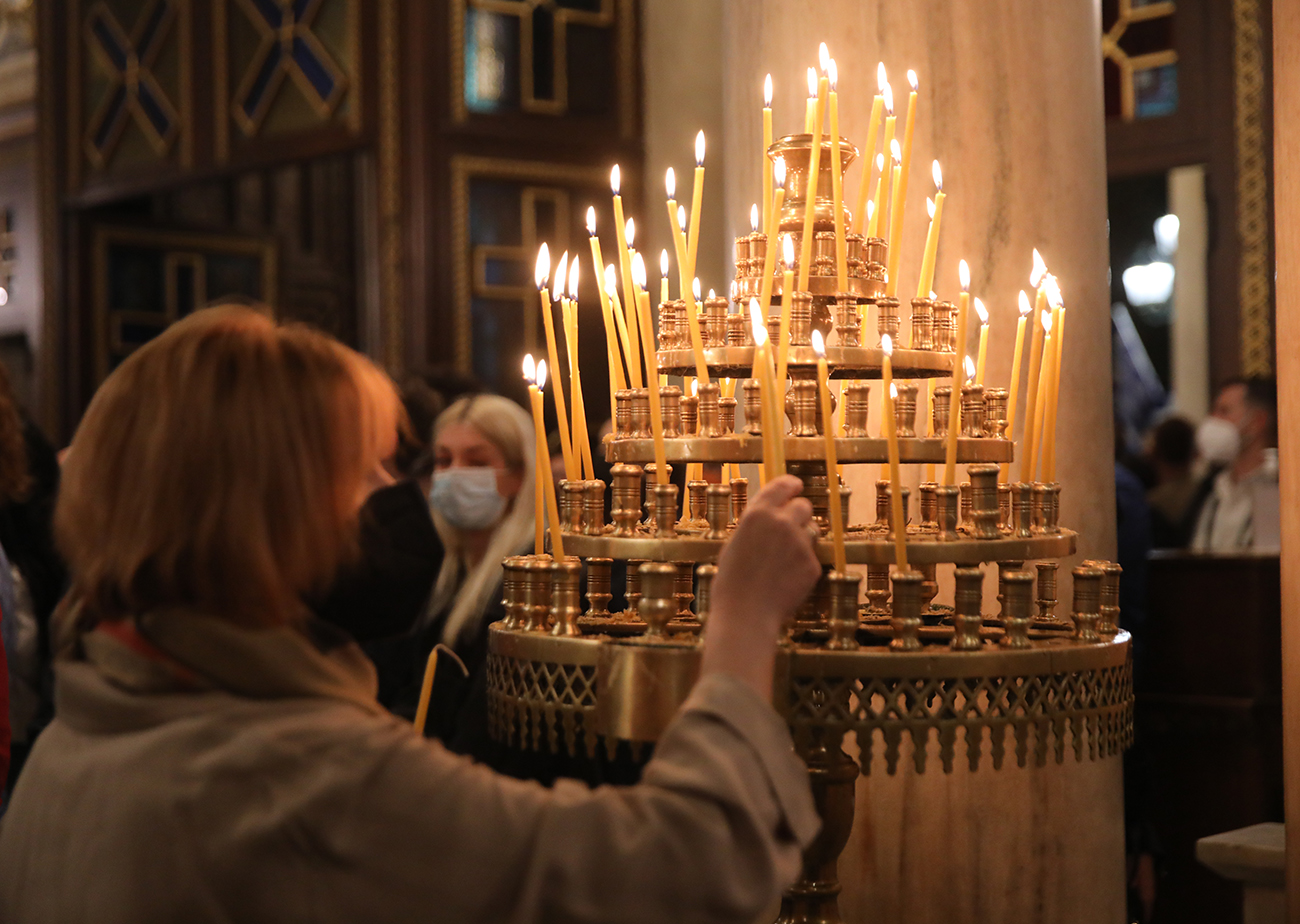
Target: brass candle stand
x,y
1026,684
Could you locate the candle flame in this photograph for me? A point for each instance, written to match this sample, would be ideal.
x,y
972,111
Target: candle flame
x,y
541,374
1047,322
629,232
823,57
615,179
787,250
699,149
1053,292
591,220
695,288
818,344
882,79
573,279
1036,274
756,323
778,172
812,83
733,290
638,271
833,72
888,93
1024,303
695,388
887,344
542,269
681,217
871,209
969,366
880,161
611,279
753,218
933,295
938,176
530,369
767,92
929,207
963,275
893,391
896,151
561,274
670,183
981,310
713,293
663,263
911,79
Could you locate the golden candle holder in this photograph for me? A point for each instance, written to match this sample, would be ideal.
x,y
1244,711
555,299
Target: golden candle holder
x,y
922,324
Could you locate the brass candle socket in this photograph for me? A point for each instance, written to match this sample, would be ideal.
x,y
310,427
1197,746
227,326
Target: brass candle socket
x,y
575,506
593,504
757,253
824,254
684,592
842,611
565,503
512,590
857,404
816,488
802,407
566,575
1046,591
942,406
623,414
737,330
774,324
966,617
650,473
626,500
905,409
657,604
694,517
922,324
670,409
1047,508
964,521
887,320
945,326
972,411
727,415
1022,510
640,422
708,424
753,407
744,246
665,510
945,510
1004,507
718,510
855,246
704,575
848,322
801,317
929,586
1017,603
690,405
995,413
906,616
1087,603
984,500
877,591
1108,608
672,318
633,592
928,506
885,509
536,609
714,330
739,498
598,587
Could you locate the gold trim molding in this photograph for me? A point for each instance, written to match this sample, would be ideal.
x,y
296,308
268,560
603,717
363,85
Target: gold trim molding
x,y
1253,223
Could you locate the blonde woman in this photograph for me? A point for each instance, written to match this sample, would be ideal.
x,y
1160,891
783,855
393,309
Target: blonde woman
x,y
216,757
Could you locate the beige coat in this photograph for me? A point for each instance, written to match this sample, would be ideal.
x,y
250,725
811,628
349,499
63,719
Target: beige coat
x,y
279,791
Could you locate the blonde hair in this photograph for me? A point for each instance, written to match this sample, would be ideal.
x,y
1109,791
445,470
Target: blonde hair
x,y
220,468
508,427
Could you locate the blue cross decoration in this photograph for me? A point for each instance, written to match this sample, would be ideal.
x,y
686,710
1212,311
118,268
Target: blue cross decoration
x,y
133,90
289,47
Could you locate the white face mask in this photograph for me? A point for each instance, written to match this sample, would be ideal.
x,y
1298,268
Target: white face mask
x,y
467,497
1218,441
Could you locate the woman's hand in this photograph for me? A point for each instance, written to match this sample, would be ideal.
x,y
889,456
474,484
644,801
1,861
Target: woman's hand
x,y
765,572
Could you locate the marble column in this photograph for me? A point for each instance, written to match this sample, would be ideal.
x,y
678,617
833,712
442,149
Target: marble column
x,y
1010,103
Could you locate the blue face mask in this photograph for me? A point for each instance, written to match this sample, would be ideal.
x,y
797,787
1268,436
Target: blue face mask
x,y
467,497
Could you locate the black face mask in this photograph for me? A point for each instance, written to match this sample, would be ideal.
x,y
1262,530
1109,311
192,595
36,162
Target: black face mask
x,y
384,591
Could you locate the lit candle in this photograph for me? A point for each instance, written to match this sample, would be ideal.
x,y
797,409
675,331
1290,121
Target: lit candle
x,y
984,341
873,207
762,373
895,220
818,88
773,221
1035,359
678,232
541,272
663,276
582,441
765,163
954,403
891,436
837,185
1044,386
900,196
692,249
625,267
877,106
539,437
932,236
1013,392
546,482
832,464
1058,335
787,297
651,368
620,324
882,209
612,350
